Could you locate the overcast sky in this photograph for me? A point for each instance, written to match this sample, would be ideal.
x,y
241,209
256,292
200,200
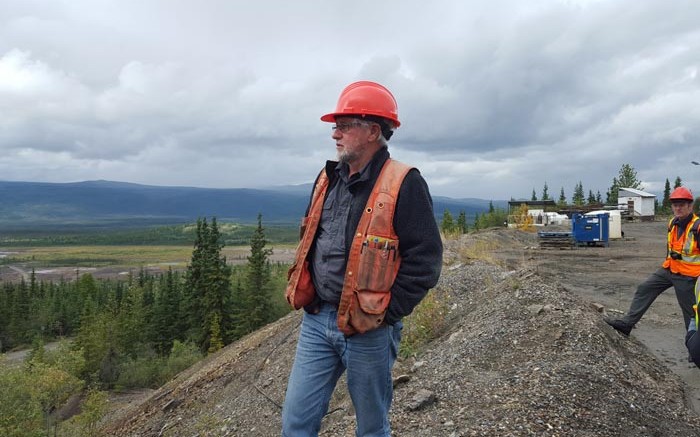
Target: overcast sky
x,y
495,97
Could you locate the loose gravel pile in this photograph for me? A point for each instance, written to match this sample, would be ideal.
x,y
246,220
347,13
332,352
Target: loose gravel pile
x,y
518,357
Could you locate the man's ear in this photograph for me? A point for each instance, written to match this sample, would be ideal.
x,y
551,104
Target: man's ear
x,y
376,131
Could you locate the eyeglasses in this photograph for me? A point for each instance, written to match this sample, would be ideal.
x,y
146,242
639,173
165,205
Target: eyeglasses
x,y
345,127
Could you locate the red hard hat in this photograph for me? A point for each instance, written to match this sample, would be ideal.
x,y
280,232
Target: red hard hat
x,y
365,98
681,193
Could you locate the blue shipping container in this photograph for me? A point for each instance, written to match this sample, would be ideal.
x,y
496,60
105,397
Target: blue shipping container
x,y
590,229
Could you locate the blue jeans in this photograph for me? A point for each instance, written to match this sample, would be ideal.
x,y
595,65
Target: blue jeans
x,y
323,354
658,282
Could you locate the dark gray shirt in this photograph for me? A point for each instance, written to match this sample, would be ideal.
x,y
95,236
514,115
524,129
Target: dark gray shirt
x,y
330,255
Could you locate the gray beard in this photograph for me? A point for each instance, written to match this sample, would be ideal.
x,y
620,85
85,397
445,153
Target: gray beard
x,y
346,157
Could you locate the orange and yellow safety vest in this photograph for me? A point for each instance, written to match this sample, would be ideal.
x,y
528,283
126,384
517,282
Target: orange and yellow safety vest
x,y
683,255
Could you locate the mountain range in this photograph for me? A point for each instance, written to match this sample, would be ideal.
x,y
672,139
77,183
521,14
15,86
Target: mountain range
x,y
127,204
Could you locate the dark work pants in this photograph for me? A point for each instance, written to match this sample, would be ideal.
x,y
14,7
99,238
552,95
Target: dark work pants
x,y
660,281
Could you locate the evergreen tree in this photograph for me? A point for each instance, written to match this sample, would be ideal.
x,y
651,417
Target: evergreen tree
x,y
95,337
579,195
562,199
258,293
545,194
20,314
131,322
194,285
598,198
207,285
167,324
591,198
215,340
534,195
447,226
495,218
462,222
627,178
678,182
491,208
666,202
239,307
218,287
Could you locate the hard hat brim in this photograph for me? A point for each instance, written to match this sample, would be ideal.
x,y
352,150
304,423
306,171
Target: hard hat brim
x,y
330,118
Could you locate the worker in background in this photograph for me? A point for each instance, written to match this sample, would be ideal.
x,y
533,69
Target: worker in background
x,y
370,250
680,269
692,338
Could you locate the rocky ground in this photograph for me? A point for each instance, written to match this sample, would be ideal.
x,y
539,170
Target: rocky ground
x,y
525,352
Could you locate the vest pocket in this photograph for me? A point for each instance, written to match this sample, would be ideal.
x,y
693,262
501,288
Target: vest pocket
x,y
376,271
376,274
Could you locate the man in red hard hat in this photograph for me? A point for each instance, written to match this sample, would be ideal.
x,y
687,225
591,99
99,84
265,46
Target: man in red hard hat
x,y
370,250
680,269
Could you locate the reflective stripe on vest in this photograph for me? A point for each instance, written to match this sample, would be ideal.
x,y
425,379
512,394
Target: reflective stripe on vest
x,y
686,246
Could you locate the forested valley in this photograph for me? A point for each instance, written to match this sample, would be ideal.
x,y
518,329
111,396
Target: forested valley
x,y
125,334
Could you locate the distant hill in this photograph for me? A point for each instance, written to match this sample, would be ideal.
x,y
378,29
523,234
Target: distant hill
x,y
126,204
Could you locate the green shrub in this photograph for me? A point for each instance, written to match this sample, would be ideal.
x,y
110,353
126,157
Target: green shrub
x,y
182,356
85,424
20,414
141,372
426,322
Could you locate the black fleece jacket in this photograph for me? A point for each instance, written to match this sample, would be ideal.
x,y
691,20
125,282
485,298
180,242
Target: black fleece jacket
x,y
420,245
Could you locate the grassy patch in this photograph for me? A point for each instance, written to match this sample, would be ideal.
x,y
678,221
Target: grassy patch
x,y
483,250
126,256
92,256
234,234
427,322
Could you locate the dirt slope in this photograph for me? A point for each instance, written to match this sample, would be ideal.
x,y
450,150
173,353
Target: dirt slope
x,y
525,353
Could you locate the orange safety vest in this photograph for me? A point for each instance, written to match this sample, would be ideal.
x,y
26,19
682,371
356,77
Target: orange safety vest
x,y
685,249
373,261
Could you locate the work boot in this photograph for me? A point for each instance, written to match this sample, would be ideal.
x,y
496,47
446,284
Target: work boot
x,y
619,325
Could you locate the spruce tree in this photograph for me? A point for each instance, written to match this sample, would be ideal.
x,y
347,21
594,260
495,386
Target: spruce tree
x,y
447,226
462,222
562,199
206,285
194,285
591,198
627,178
534,195
545,193
666,202
218,288
678,182
167,320
578,197
215,340
258,290
239,305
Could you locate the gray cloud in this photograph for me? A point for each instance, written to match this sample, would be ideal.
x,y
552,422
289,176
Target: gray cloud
x,y
495,100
